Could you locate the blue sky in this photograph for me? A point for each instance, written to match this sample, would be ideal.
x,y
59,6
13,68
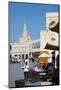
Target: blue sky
x,y
33,14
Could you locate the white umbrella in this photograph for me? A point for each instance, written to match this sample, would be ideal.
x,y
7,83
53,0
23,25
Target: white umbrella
x,y
44,55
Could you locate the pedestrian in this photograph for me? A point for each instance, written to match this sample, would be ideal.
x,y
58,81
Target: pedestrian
x,y
26,68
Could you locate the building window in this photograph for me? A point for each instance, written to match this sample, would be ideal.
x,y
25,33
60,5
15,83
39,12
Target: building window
x,y
26,56
53,39
15,55
19,56
22,56
10,47
52,23
10,56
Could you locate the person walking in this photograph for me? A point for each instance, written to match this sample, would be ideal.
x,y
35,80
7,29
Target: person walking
x,y
26,68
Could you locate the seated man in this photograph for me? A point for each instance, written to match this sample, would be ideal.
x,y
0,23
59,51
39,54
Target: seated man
x,y
39,68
